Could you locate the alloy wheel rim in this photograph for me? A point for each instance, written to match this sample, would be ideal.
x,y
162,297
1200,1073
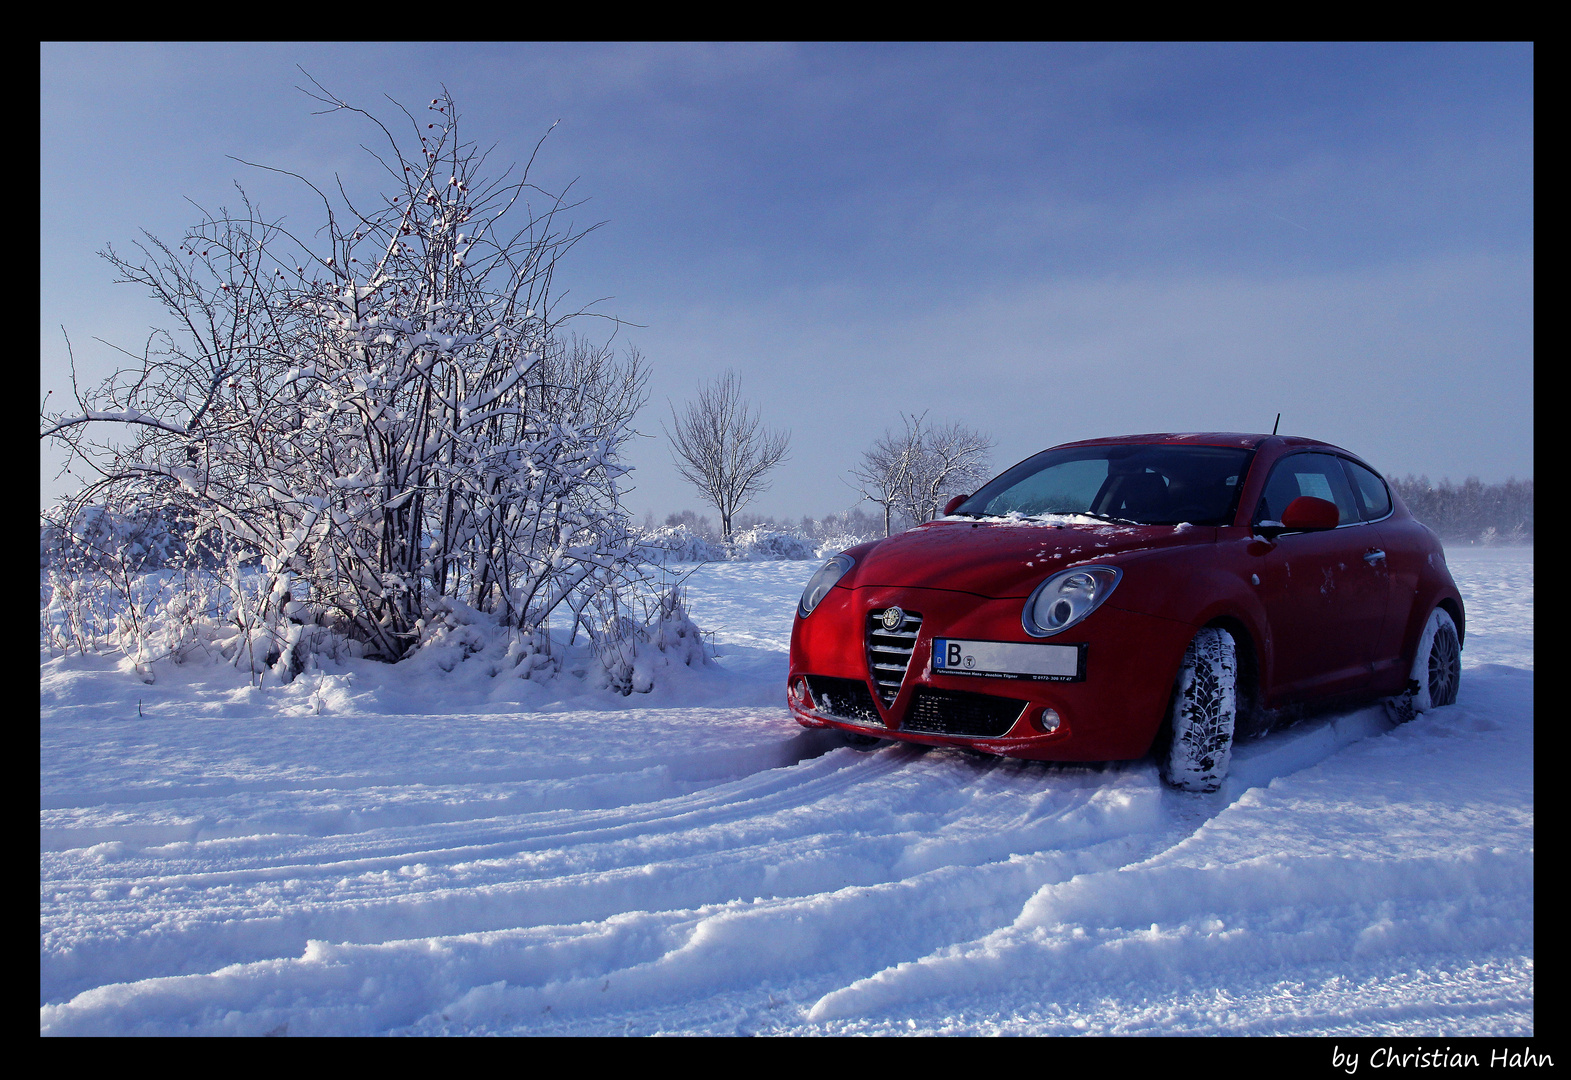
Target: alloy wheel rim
x,y
1445,663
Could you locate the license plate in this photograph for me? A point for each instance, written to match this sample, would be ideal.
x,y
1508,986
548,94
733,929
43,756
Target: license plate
x,y
1009,660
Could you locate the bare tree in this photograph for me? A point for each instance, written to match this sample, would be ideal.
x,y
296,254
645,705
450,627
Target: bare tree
x,y
914,471
952,460
884,474
387,414
720,447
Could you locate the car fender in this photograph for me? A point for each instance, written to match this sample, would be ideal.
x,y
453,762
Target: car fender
x,y
858,556
1432,592
1189,585
1193,586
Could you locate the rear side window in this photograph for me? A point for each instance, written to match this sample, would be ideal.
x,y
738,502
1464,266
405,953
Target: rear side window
x,y
1374,500
1318,475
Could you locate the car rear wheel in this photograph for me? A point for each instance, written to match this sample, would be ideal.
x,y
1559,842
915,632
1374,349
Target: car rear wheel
x,y
1200,721
1437,669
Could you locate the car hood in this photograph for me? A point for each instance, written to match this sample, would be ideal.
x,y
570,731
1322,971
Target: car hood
x,y
1004,558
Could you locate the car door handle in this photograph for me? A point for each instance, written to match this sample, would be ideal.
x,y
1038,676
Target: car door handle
x,y
1372,557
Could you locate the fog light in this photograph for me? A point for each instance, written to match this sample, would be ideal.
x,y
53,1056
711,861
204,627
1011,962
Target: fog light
x,y
797,691
1048,721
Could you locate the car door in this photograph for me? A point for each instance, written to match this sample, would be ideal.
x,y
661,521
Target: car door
x,y
1324,602
1400,555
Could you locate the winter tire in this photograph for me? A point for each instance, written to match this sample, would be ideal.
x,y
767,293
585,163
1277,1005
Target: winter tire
x,y
1437,669
1204,710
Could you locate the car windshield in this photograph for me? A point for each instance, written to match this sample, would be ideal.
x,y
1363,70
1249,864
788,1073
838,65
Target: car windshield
x,y
1144,483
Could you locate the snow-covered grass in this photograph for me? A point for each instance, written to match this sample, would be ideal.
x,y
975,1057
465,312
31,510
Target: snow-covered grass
x,y
378,849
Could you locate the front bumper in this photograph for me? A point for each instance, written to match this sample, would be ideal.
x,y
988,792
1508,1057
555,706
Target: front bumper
x,y
1110,714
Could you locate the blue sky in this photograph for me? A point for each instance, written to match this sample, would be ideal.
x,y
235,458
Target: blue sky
x,y
1045,242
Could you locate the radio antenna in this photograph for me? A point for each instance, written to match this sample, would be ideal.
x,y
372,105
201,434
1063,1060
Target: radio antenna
x,y
1278,421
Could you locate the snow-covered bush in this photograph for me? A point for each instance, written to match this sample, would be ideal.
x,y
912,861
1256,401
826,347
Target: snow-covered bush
x,y
183,617
233,613
74,536
833,545
632,654
763,544
623,651
680,543
684,538
120,579
387,412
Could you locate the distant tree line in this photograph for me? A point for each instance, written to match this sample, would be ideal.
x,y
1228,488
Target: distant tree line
x,y
1473,511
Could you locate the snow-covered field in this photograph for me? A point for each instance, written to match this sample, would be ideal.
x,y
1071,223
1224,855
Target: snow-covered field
x,y
395,850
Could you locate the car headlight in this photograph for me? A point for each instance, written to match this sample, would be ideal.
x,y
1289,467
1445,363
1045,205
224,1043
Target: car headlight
x,y
1067,597
819,584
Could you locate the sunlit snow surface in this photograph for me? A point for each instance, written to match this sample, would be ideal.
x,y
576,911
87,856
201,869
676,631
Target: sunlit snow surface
x,y
389,851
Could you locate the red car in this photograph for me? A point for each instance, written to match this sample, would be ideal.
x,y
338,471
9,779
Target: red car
x,y
1108,599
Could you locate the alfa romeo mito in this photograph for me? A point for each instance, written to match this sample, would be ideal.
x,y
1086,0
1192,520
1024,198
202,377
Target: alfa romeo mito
x,y
1143,595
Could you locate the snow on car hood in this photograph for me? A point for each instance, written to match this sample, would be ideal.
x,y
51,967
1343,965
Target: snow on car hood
x,y
1005,557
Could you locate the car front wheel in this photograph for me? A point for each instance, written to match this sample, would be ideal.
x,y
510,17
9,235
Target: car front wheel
x,y
1204,710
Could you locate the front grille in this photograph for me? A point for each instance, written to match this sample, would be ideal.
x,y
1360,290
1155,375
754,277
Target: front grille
x,y
889,652
958,712
846,699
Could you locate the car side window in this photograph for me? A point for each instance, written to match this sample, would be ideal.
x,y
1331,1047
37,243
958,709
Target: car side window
x,y
1374,500
1318,475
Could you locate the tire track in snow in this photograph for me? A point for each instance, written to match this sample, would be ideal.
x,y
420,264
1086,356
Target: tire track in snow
x,y
308,885
702,767
776,833
648,897
499,835
768,835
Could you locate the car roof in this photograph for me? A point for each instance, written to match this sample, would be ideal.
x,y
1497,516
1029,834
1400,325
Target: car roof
x,y
1241,439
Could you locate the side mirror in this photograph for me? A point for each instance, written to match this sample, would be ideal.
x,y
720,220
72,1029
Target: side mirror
x,y
949,507
1304,514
